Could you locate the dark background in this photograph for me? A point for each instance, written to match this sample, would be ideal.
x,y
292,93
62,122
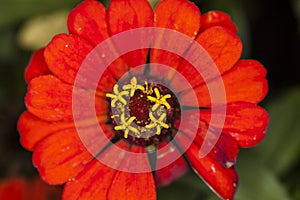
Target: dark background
x,y
270,33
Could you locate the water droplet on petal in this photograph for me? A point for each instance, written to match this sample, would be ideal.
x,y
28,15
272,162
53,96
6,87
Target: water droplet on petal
x,y
74,164
213,169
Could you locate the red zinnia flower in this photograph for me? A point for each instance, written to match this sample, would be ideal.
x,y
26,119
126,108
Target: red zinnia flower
x,y
49,130
23,189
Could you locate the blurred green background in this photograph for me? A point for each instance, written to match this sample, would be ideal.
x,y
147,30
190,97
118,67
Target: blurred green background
x,y
270,34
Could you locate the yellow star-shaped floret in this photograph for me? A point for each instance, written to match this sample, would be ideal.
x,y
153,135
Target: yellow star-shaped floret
x,y
157,123
159,100
126,126
133,86
117,96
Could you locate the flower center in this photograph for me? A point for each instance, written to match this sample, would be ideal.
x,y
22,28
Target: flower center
x,y
143,113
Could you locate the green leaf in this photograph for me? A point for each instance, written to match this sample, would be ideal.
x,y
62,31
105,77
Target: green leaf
x,y
280,149
257,182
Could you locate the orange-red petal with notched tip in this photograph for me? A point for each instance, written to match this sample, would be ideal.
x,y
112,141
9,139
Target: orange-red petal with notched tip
x,y
245,122
99,182
220,177
129,14
62,155
217,18
123,15
32,129
224,46
51,99
246,81
179,15
174,170
88,20
37,66
65,54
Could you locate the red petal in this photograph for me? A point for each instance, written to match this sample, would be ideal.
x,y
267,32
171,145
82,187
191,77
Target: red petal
x,y
245,122
189,72
32,129
88,20
37,66
65,54
59,160
132,185
217,18
170,173
245,82
222,45
129,14
180,15
177,168
219,177
51,99
97,181
226,150
118,68
107,81
92,183
222,180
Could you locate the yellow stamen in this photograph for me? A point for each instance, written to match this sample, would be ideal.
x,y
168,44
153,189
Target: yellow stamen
x,y
133,86
159,100
157,123
117,96
126,126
